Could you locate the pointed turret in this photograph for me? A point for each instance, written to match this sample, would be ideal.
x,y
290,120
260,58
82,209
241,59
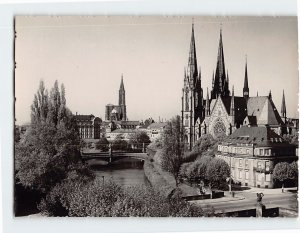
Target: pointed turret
x,y
219,86
246,88
207,110
122,84
192,64
270,95
283,106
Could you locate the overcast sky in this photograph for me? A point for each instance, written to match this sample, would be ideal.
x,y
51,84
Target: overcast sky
x,y
89,54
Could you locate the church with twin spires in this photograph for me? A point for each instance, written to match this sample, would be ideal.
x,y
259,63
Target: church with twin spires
x,y
220,111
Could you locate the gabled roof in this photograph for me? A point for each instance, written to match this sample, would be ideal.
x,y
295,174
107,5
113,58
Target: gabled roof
x,y
264,109
255,105
240,107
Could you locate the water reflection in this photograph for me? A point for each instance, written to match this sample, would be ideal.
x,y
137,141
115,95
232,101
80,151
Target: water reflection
x,y
125,172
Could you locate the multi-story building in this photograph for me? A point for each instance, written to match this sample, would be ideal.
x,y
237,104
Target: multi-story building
x,y
253,152
155,130
89,126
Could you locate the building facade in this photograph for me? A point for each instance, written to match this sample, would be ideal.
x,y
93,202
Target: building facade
x,y
223,112
253,152
89,126
155,130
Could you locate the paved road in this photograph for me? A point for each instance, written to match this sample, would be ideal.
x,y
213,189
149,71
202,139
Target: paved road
x,y
269,200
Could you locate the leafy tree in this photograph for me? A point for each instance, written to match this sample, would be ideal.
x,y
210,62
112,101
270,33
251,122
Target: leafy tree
x,y
139,139
119,143
281,173
216,173
50,147
172,147
149,121
293,172
102,144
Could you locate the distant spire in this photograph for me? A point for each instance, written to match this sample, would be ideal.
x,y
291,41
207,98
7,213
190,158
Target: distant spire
x,y
246,88
257,93
283,106
122,84
270,95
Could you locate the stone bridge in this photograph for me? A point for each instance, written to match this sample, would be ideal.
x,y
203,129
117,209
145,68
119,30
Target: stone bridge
x,y
111,157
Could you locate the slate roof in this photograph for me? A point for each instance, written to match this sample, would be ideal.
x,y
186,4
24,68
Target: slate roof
x,y
84,117
259,135
264,109
240,107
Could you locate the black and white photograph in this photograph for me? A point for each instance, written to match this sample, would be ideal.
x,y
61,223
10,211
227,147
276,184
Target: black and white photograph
x,y
155,116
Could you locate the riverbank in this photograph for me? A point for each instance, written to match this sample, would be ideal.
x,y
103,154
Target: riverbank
x,y
163,180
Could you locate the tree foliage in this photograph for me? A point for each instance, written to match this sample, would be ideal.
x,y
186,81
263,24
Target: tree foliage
x,y
50,147
216,173
102,144
119,143
172,151
139,139
98,199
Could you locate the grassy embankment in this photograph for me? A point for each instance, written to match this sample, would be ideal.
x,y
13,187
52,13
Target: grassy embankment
x,y
163,180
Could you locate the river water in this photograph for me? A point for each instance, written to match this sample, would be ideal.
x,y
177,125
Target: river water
x,y
125,172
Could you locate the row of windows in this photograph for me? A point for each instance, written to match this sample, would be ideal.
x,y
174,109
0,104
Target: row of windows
x,y
259,176
244,163
257,151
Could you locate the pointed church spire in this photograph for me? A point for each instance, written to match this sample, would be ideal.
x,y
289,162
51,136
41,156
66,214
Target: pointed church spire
x,y
192,64
122,84
246,88
270,95
207,110
122,102
283,107
232,103
220,86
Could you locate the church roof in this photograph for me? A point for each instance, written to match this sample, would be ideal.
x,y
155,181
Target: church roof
x,y
240,107
259,135
130,123
264,109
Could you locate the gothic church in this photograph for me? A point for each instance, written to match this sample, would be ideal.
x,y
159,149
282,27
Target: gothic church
x,y
222,112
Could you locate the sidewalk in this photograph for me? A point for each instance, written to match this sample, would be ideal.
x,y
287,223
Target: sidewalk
x,y
268,191
226,198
